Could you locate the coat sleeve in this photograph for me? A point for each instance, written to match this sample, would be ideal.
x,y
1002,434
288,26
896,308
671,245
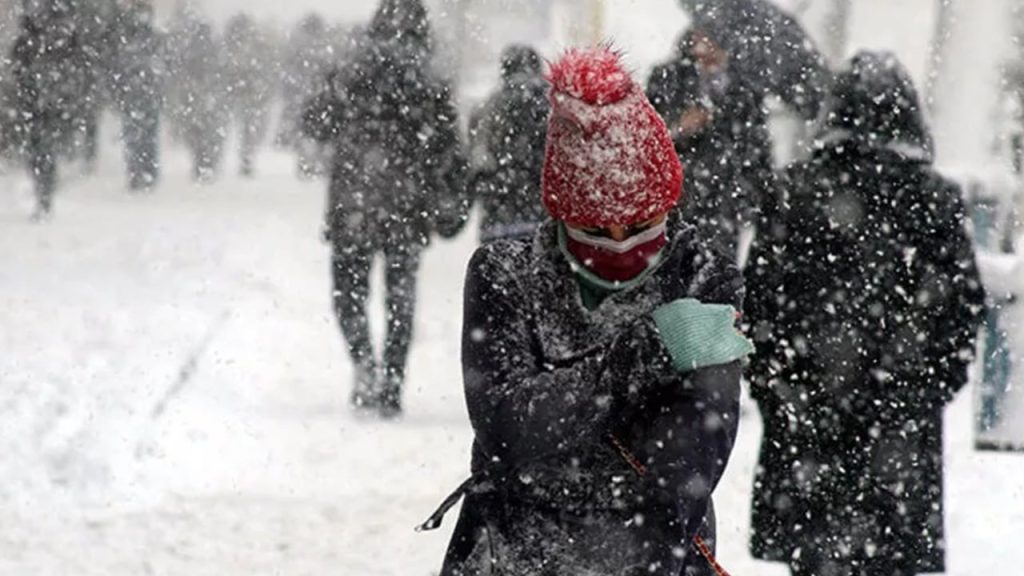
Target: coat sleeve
x,y
522,408
690,422
957,290
690,440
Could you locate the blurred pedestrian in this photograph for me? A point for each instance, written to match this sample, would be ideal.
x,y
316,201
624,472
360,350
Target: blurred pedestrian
x,y
601,360
747,51
707,113
507,148
864,304
48,84
397,159
307,63
137,90
247,84
197,95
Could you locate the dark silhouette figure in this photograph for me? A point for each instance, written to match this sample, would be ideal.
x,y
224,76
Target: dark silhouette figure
x,y
198,102
47,89
137,91
307,63
507,143
248,85
397,157
864,300
746,51
726,156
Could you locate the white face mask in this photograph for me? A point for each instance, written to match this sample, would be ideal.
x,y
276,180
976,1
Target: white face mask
x,y
613,245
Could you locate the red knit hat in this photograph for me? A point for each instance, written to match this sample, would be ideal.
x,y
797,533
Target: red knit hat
x,y
609,157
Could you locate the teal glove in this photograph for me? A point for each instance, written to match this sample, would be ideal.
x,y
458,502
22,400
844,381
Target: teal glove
x,y
699,335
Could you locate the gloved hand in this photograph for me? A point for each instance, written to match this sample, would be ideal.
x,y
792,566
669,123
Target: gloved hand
x,y
699,335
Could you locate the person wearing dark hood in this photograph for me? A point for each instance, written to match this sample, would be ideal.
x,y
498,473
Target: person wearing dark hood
x,y
702,114
397,158
601,358
507,148
864,304
247,85
764,48
746,51
137,90
47,83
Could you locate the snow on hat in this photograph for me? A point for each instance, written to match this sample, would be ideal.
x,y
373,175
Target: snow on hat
x,y
609,156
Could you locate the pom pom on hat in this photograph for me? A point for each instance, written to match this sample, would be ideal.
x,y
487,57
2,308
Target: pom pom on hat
x,y
597,77
609,158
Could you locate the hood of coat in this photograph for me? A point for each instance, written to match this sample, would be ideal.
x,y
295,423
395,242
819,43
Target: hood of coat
x,y
875,106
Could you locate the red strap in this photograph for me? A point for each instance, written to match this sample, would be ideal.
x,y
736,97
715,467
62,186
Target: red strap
x,y
628,456
705,551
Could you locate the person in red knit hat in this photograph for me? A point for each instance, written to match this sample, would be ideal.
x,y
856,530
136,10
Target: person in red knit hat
x,y
601,361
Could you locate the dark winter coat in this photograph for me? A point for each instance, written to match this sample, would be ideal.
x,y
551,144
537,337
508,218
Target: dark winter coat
x,y
509,140
397,152
592,454
864,302
48,81
729,163
134,75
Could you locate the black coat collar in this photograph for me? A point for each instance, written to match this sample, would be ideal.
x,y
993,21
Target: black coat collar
x,y
565,328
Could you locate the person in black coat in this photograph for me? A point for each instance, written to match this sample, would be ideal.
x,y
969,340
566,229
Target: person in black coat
x,y
397,159
864,303
507,145
600,358
707,113
747,51
48,84
137,91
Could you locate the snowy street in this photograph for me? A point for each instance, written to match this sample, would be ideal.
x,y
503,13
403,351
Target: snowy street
x,y
174,398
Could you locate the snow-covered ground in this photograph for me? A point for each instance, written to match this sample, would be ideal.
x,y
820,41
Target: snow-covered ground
x,y
173,398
